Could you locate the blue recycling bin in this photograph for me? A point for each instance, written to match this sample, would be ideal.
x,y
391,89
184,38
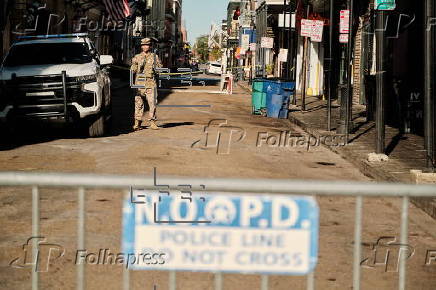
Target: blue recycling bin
x,y
266,82
283,113
285,103
273,87
288,90
274,105
278,97
284,110
287,87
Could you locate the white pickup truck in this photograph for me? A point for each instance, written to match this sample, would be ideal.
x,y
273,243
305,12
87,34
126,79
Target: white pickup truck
x,y
58,78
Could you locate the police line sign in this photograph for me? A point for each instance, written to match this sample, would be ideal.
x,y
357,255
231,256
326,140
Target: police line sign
x,y
227,233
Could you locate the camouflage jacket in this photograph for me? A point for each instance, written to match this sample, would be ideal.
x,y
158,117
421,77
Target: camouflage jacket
x,y
145,63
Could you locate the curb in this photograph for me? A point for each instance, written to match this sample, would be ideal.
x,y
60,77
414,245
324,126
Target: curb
x,y
428,205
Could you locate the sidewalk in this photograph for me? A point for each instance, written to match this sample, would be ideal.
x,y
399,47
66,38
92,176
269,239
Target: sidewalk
x,y
405,152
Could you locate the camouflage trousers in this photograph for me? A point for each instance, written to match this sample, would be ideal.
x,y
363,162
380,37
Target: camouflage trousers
x,y
151,98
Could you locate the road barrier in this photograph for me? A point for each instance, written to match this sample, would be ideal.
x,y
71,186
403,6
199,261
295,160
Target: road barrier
x,y
266,186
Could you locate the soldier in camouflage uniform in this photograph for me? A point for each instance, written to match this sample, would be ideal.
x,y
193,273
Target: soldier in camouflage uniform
x,y
145,63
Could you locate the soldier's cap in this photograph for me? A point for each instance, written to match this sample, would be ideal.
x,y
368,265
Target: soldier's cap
x,y
146,41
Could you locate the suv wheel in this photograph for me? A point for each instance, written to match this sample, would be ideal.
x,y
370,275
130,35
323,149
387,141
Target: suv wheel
x,y
96,128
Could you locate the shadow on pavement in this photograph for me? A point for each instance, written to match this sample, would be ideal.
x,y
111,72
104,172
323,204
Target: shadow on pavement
x,y
172,125
27,133
122,114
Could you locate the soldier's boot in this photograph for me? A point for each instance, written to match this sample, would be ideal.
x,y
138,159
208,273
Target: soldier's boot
x,y
137,125
153,125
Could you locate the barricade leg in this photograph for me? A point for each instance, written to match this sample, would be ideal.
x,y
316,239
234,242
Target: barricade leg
x,y
35,233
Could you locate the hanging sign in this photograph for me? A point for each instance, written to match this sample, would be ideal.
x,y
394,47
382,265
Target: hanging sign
x,y
317,29
283,55
344,23
245,41
267,42
306,27
343,38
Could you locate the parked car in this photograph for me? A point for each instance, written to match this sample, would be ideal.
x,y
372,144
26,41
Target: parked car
x,y
213,68
59,78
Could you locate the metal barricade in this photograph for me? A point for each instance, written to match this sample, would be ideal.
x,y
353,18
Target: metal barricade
x,y
268,186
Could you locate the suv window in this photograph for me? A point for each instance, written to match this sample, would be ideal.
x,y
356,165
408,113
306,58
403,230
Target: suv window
x,y
216,65
48,53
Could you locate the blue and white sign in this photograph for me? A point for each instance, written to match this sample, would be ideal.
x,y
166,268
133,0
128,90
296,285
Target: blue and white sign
x,y
241,233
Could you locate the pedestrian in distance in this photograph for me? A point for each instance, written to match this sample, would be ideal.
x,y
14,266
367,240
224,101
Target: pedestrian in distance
x,y
144,67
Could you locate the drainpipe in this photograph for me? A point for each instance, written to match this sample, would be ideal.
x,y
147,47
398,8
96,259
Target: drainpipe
x,y
429,103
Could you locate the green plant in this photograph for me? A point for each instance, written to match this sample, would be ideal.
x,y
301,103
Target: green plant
x,y
216,53
202,48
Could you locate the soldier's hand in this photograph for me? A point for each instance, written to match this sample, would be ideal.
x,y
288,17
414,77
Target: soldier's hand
x,y
148,91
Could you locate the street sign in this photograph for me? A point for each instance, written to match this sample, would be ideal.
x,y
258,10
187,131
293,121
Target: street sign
x,y
283,55
384,4
344,23
267,42
343,38
317,29
242,233
306,27
312,28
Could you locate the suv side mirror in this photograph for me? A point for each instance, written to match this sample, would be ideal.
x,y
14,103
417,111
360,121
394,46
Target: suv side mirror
x,y
106,59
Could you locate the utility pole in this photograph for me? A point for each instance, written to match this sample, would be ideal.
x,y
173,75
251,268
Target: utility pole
x,y
380,83
347,96
330,68
349,102
304,69
291,68
429,101
283,70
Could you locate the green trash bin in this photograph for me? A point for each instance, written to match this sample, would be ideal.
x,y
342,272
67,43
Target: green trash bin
x,y
258,97
258,85
258,101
